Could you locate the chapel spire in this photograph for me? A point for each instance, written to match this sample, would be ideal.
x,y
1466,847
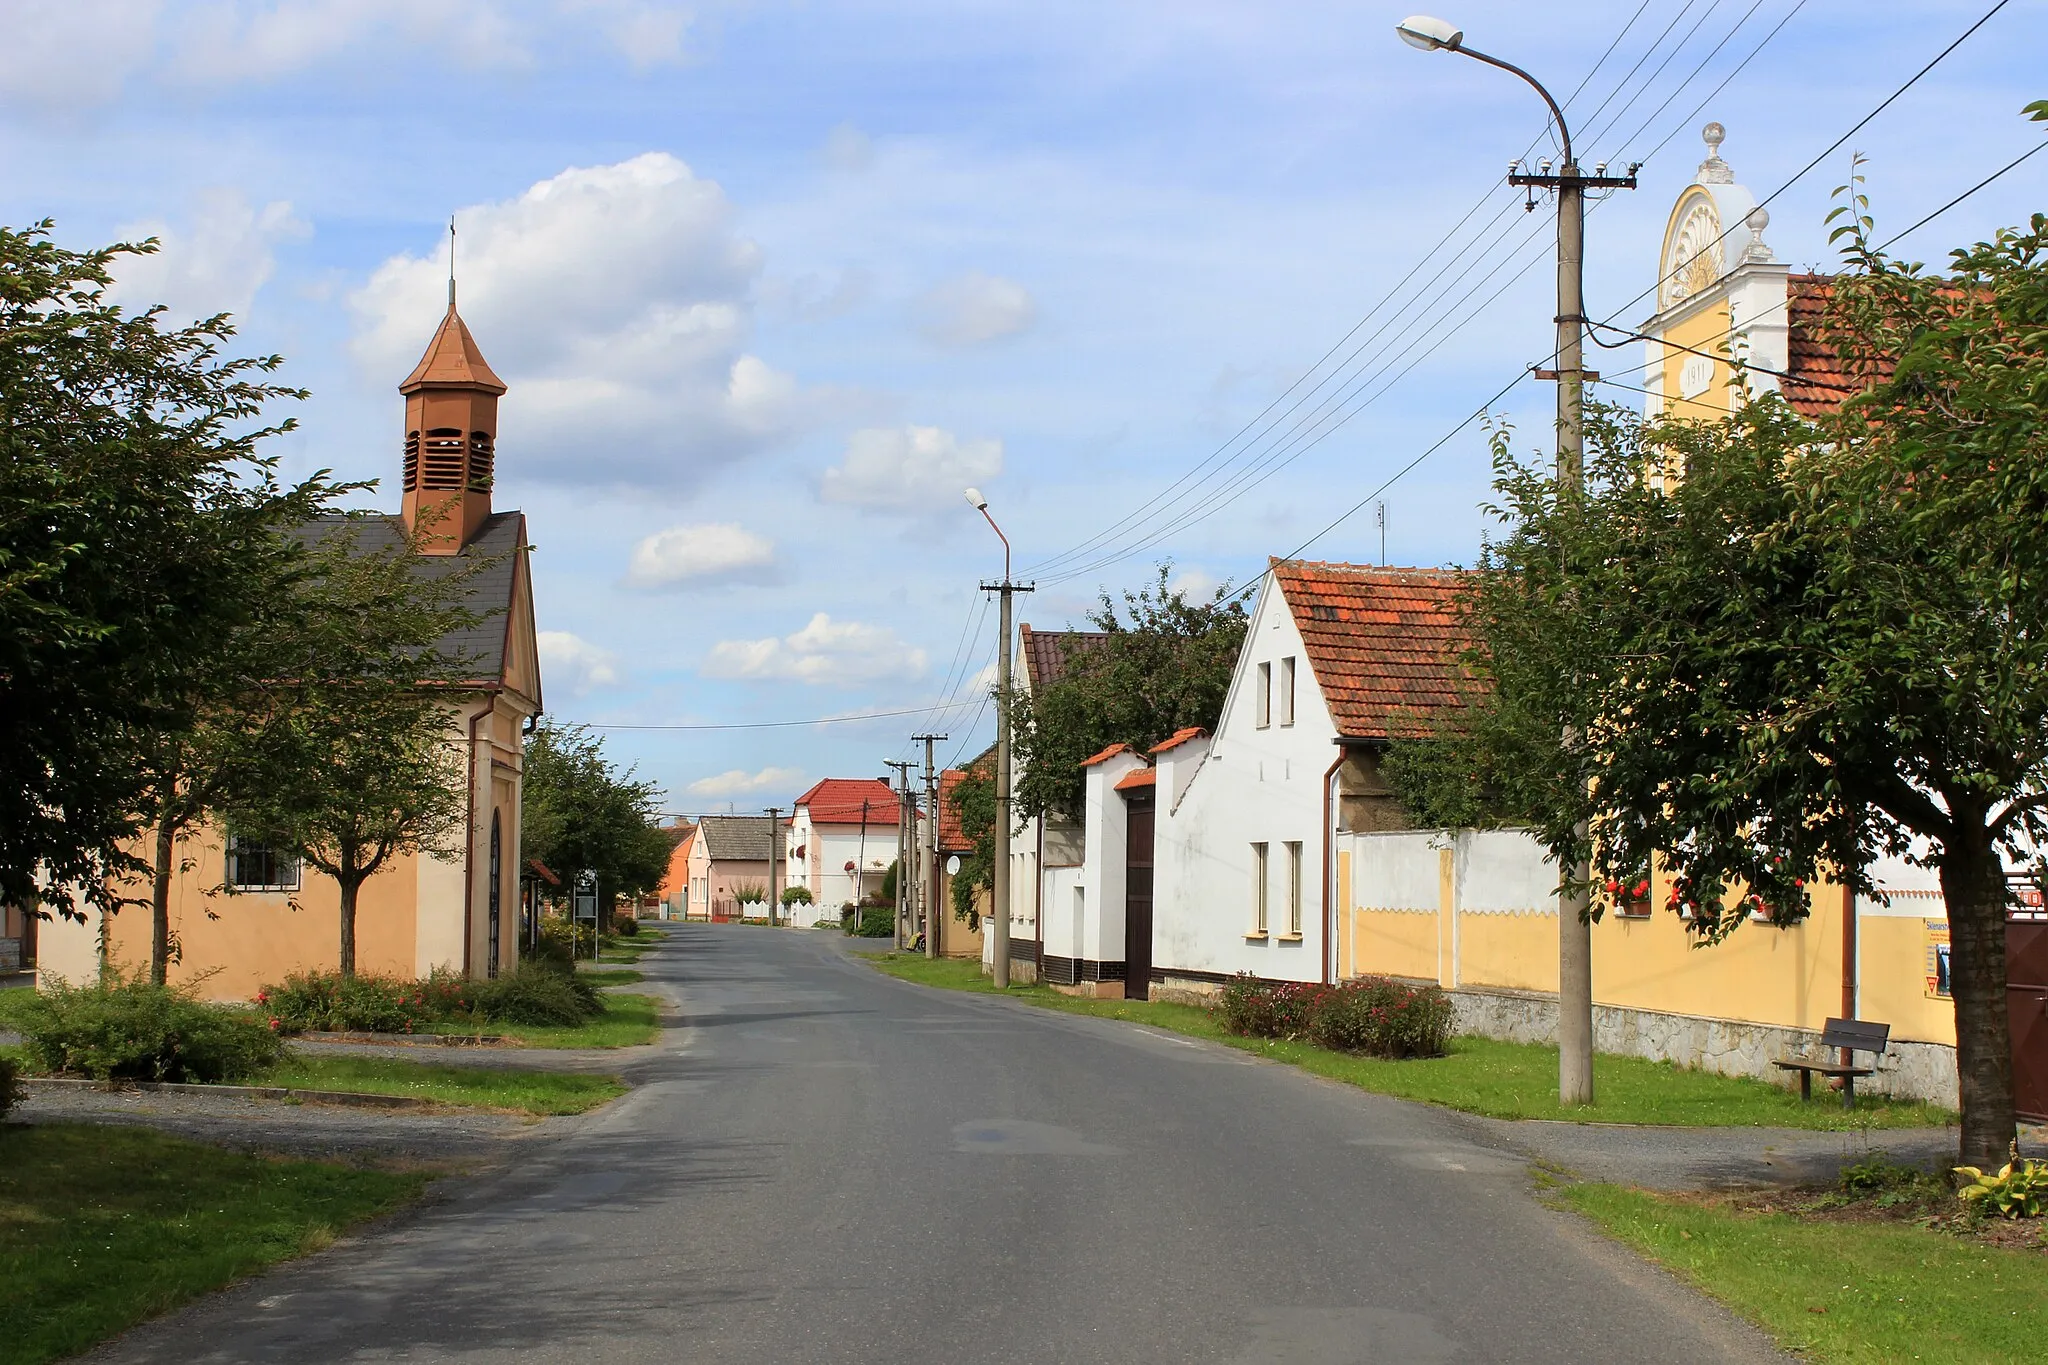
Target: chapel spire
x,y
451,434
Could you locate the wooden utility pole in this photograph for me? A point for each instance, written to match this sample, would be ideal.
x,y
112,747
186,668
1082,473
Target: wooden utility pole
x,y
999,888
903,825
928,842
774,816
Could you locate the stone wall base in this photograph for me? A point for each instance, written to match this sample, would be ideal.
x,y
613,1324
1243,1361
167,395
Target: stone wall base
x,y
1907,1070
1094,990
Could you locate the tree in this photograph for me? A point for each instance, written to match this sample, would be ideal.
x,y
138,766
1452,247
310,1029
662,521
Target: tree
x,y
580,813
346,756
974,804
1789,647
1165,666
136,508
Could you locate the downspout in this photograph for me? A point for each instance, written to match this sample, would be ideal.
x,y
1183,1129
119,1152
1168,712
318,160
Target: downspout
x,y
1330,869
469,840
1038,901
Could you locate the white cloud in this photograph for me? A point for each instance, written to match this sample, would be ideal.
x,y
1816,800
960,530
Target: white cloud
x,y
847,148
75,54
586,666
712,552
910,469
970,309
1194,584
740,782
614,300
824,651
235,42
214,265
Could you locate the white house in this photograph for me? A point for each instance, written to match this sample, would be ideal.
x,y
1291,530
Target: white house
x,y
842,838
1211,856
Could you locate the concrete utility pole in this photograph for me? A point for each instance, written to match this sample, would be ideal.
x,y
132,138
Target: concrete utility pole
x,y
1574,919
928,843
903,824
774,815
999,890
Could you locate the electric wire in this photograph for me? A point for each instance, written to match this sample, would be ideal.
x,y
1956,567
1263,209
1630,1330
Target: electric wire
x,y
1964,195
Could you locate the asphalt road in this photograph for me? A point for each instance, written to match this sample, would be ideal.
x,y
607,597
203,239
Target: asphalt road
x,y
828,1165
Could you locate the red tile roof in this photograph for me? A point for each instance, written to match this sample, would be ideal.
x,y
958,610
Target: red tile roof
x,y
1138,777
1179,738
952,839
1384,643
1045,652
837,801
1107,754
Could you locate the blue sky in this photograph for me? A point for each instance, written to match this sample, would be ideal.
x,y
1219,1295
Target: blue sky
x,y
772,282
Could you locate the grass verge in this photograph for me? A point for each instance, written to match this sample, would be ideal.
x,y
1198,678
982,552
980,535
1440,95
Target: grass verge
x,y
102,1227
476,1087
1849,1292
627,1021
610,976
1480,1076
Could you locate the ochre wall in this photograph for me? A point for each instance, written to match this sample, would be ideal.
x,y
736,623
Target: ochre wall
x,y
1897,997
1515,949
1392,943
1706,330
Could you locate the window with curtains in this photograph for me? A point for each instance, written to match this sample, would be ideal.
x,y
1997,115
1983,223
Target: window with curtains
x,y
254,866
1294,888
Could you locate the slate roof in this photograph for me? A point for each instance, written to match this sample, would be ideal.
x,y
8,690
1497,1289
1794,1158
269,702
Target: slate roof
x,y
1384,643
837,801
738,838
1045,652
479,647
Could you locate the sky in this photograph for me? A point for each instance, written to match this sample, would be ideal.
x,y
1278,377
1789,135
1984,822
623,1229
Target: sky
x,y
771,284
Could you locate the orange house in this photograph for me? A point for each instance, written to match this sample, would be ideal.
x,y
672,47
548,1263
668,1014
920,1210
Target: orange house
x,y
243,915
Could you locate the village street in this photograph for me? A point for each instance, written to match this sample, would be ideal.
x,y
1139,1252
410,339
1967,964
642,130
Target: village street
x,y
824,1164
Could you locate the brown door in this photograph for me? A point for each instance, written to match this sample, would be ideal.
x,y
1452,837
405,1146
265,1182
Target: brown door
x,y
1138,895
2026,994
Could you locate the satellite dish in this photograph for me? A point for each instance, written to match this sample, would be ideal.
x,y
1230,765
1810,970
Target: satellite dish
x,y
953,866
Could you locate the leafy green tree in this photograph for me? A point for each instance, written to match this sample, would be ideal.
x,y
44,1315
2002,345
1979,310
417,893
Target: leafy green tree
x,y
349,756
137,515
1165,666
974,804
581,813
1789,647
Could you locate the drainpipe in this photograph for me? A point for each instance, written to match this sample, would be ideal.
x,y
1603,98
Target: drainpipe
x,y
1330,869
1038,902
469,840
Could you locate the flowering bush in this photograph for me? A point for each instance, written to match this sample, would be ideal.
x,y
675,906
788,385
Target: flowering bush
x,y
132,1030
1372,1015
537,991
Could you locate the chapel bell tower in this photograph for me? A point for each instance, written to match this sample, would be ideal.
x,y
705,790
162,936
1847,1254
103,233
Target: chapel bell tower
x,y
451,438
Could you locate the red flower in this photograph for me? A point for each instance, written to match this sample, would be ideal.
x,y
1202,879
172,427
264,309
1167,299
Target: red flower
x,y
273,1023
1643,887
1612,886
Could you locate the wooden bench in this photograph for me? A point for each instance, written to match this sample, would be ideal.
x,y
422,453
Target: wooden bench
x,y
1851,1036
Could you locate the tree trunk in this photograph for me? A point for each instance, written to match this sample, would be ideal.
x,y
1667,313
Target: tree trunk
x,y
1973,886
349,886
160,902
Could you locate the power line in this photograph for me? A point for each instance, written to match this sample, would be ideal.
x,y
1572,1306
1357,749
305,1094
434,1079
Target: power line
x,y
1964,195
773,724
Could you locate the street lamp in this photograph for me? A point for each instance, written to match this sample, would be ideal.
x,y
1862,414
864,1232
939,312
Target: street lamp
x,y
1575,928
999,893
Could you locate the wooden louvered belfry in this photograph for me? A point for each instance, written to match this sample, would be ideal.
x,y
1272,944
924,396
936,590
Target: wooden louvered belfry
x,y
451,438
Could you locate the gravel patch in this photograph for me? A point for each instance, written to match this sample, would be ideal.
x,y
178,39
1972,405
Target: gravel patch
x,y
442,1137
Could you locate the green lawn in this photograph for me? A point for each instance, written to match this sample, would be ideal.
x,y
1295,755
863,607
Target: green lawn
x,y
627,1021
525,1091
1481,1076
1840,1291
610,976
101,1228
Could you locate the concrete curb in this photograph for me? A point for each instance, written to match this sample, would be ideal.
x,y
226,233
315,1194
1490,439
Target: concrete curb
x,y
350,1098
403,1039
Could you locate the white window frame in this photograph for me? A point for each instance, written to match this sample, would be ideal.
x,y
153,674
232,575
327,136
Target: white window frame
x,y
1287,690
1294,888
1264,715
1260,882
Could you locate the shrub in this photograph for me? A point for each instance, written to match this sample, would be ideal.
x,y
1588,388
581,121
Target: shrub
x,y
132,1030
330,1002
1373,1015
625,924
540,993
563,940
750,893
10,1086
2019,1189
796,895
876,921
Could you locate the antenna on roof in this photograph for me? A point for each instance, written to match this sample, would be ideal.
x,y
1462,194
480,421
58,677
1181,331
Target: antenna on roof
x,y
451,262
1379,516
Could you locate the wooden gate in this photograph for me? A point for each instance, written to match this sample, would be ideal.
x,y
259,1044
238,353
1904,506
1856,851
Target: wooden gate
x,y
1138,894
2026,994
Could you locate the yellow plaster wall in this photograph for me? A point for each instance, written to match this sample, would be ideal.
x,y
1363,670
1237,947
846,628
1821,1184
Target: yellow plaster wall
x,y
1515,951
233,944
1394,943
1760,973
1894,981
1706,330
